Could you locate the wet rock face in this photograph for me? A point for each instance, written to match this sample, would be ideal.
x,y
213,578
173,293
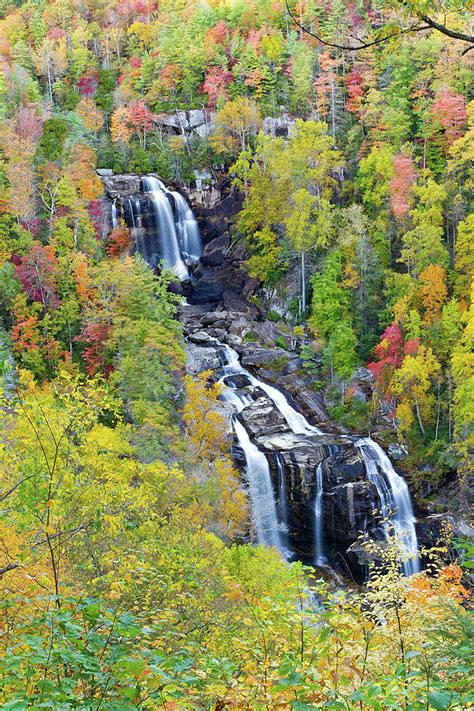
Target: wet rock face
x,y
348,497
121,185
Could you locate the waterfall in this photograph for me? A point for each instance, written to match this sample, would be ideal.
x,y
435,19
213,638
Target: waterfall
x,y
395,504
296,421
262,497
282,507
114,216
320,558
164,226
392,490
261,490
187,228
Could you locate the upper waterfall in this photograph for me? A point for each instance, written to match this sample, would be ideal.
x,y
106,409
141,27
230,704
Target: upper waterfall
x,y
163,226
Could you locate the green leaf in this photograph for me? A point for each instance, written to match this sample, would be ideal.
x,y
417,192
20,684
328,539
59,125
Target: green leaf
x,y
439,700
15,705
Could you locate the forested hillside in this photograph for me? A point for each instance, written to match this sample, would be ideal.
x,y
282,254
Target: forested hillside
x,y
336,140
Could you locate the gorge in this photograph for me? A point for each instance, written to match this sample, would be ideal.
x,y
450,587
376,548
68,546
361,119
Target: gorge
x,y
315,494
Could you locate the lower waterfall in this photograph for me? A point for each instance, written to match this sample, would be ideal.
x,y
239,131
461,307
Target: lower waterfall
x,y
395,505
320,558
394,498
261,490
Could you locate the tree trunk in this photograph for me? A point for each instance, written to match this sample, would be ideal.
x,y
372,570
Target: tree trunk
x,y
303,283
50,83
333,108
438,410
418,415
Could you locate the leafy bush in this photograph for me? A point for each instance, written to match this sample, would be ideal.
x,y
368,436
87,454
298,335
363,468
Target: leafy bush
x,y
55,132
354,414
281,343
273,316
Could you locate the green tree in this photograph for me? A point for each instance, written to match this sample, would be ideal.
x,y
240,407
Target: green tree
x,y
308,226
423,245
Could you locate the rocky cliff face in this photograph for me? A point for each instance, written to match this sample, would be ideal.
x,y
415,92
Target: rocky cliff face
x,y
348,498
219,310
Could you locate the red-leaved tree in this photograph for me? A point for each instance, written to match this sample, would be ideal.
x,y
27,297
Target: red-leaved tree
x,y
449,110
390,353
403,178
215,85
94,337
38,272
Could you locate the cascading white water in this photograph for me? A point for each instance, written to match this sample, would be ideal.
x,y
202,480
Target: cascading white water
x,y
261,490
114,216
187,228
165,226
393,492
395,504
262,498
320,558
297,422
282,507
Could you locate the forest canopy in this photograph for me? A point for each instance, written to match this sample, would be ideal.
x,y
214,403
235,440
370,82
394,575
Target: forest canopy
x,y
129,573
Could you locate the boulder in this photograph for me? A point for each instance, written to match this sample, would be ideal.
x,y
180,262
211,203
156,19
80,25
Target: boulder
x,y
258,357
215,251
200,337
279,126
267,332
358,394
261,417
121,185
240,326
363,375
200,359
397,451
197,117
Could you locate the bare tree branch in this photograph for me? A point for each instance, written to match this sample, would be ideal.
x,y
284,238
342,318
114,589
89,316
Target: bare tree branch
x,y
428,25
7,568
450,33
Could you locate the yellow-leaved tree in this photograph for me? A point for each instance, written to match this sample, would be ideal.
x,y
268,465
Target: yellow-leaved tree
x,y
206,428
